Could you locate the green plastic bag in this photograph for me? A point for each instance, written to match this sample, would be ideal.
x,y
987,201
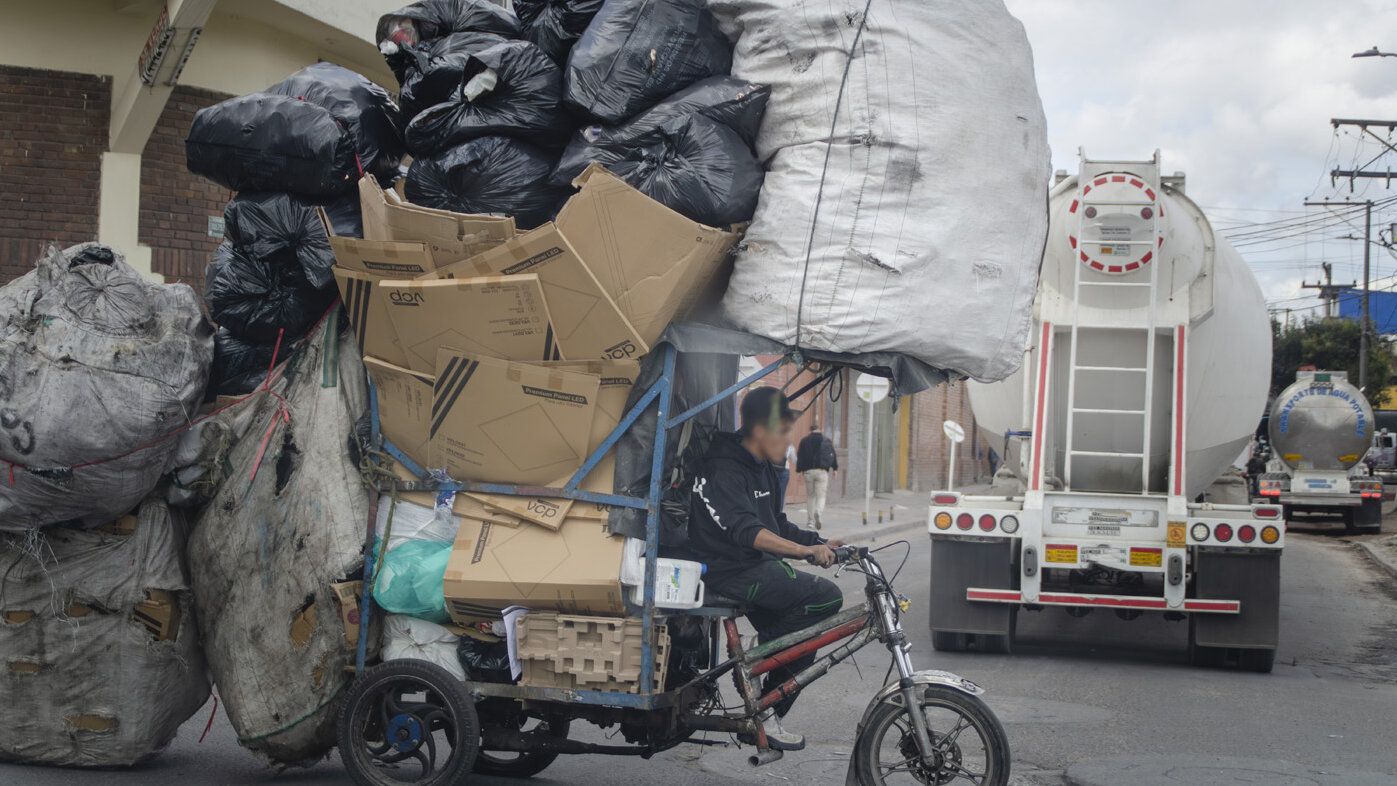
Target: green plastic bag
x,y
410,578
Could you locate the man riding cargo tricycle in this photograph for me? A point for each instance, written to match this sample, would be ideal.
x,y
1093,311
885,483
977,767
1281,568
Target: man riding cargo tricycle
x,y
411,721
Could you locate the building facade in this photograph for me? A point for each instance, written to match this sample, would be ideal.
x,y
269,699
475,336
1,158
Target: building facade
x,y
96,97
910,447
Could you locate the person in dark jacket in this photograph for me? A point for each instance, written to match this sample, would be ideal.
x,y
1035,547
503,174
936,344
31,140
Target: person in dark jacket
x,y
816,460
738,528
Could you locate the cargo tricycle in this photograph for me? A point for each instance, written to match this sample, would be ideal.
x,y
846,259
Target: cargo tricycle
x,y
411,721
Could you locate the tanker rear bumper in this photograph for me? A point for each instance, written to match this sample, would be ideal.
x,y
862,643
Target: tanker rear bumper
x,y
1081,600
1307,501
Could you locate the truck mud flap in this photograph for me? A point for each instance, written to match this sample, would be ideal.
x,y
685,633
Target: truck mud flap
x,y
956,565
1253,579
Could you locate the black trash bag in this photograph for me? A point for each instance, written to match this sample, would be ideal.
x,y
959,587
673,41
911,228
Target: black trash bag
x,y
346,216
280,230
428,19
263,142
555,25
636,52
690,164
433,72
492,174
733,102
240,367
360,106
485,661
511,89
258,301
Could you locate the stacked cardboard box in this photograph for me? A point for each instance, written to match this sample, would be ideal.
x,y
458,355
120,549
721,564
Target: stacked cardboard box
x,y
508,357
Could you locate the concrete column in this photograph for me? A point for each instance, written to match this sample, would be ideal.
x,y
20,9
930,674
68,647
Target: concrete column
x,y
119,209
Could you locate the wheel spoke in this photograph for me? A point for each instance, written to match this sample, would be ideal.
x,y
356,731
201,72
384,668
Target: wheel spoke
x,y
424,760
963,772
954,734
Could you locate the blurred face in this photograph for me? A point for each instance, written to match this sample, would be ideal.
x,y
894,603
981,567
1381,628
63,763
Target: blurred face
x,y
771,445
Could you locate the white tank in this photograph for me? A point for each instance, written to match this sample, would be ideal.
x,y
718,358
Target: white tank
x,y
1227,351
1321,422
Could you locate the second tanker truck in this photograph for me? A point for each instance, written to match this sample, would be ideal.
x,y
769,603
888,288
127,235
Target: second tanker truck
x,y
1321,427
1146,377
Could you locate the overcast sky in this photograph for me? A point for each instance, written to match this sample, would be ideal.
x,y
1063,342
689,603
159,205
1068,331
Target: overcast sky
x,y
1237,94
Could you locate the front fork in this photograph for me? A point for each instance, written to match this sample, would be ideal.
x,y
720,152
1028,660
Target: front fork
x,y
898,646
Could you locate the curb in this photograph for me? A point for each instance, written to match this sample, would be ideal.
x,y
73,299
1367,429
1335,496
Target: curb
x,y
1378,560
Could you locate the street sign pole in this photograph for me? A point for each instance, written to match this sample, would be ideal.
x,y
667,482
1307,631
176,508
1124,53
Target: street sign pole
x,y
870,390
956,434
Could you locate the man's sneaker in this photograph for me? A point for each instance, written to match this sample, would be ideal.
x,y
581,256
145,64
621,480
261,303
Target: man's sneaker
x,y
777,738
819,524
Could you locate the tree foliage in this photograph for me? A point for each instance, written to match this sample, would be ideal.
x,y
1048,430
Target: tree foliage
x,y
1328,344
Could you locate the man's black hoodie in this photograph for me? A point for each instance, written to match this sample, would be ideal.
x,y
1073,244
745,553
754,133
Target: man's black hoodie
x,y
734,497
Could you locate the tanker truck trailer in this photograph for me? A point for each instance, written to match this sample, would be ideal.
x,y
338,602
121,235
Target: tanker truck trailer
x,y
1146,377
1320,428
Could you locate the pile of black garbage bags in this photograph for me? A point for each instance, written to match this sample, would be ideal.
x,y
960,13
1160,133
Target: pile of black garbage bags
x,y
502,112
295,149
499,111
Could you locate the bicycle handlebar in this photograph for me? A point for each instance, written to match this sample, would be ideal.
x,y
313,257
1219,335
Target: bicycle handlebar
x,y
844,554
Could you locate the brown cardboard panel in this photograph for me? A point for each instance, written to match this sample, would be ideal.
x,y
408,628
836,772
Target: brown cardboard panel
x,y
95,723
367,306
586,323
464,506
382,258
576,569
404,407
123,526
502,317
16,616
347,594
544,511
302,625
158,614
652,261
506,422
448,236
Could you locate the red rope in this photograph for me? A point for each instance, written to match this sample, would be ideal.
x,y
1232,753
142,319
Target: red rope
x,y
209,725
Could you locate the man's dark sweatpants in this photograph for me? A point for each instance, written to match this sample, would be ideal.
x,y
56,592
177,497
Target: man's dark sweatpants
x,y
780,600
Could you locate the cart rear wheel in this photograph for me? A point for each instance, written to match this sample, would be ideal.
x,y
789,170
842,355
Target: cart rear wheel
x,y
408,722
512,764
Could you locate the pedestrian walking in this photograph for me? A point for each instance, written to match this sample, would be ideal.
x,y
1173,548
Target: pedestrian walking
x,y
816,460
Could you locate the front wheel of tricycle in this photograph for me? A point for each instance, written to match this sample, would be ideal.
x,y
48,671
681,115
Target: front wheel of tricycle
x,y
970,746
408,722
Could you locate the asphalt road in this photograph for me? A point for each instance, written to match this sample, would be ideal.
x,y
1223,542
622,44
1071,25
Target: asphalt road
x,y
1076,691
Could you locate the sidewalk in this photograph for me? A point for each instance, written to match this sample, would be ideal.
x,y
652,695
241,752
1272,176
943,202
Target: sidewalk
x,y
897,513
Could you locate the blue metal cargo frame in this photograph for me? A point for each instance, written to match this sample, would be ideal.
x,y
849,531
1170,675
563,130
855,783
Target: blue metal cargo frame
x,y
661,396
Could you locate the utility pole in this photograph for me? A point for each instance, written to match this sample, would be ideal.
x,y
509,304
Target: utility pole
x,y
1327,291
1367,267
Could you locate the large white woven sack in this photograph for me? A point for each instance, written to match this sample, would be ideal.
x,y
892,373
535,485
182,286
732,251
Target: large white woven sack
x,y
905,207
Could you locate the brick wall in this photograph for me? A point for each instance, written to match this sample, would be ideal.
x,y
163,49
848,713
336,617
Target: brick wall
x,y
929,449
175,204
53,130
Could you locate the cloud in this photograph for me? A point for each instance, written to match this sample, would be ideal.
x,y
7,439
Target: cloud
x,y
1238,94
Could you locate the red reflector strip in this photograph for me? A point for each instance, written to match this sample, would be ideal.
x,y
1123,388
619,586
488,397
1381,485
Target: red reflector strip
x,y
1117,178
1136,183
1073,208
1104,601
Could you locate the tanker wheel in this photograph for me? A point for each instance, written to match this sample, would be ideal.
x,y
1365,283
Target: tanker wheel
x,y
948,641
1366,520
408,722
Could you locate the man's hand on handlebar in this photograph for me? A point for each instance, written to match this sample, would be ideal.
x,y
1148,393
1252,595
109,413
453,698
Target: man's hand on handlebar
x,y
819,554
